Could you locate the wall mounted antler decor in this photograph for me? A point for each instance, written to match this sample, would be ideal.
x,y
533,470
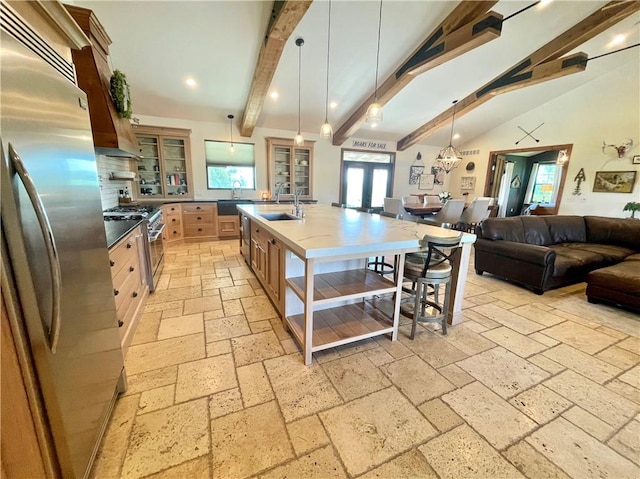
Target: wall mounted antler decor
x,y
620,149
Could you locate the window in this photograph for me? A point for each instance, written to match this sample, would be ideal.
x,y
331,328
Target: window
x,y
224,168
367,177
543,185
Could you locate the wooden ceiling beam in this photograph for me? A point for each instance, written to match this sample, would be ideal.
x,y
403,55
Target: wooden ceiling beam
x,y
465,28
288,15
541,65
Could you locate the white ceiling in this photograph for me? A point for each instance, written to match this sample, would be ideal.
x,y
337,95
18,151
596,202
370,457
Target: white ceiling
x,y
158,44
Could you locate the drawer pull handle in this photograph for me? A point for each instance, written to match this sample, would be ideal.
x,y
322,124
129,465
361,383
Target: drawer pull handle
x,y
175,232
272,241
131,269
134,294
129,245
120,323
112,263
116,292
174,220
197,207
199,217
199,229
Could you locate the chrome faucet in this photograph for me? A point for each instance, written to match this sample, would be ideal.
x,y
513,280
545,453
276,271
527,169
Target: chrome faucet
x,y
279,190
236,190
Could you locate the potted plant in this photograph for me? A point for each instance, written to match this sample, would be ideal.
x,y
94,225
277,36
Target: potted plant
x,y
444,196
632,206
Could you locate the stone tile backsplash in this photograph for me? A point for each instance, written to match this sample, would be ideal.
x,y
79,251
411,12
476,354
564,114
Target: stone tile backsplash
x,y
109,189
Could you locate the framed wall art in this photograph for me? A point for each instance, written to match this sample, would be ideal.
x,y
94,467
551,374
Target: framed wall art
x,y
426,182
636,159
414,174
468,183
614,181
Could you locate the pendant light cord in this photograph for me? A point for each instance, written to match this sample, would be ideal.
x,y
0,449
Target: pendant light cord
x,y
299,75
453,120
378,50
326,105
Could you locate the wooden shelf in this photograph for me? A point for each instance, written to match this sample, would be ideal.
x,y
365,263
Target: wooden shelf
x,y
344,324
121,179
343,285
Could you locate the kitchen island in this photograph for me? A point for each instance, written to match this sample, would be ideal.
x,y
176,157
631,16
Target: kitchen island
x,y
328,296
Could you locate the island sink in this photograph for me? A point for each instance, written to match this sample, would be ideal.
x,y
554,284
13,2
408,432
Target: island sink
x,y
278,216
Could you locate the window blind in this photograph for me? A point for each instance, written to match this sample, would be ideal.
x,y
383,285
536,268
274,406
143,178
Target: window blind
x,y
217,153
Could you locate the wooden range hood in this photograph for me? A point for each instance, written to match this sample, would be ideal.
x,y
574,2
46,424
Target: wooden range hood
x,y
112,135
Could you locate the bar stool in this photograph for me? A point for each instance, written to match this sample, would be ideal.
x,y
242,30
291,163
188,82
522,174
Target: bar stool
x,y
379,264
430,270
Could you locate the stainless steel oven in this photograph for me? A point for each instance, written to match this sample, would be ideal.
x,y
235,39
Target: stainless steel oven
x,y
155,228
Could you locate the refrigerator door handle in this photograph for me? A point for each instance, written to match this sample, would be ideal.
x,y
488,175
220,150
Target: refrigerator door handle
x,y
50,243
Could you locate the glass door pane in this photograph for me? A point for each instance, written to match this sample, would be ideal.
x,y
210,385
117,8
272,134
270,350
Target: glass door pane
x,y
282,169
175,169
354,186
149,167
301,165
379,185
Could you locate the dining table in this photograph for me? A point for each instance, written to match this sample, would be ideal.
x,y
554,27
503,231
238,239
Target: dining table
x,y
422,210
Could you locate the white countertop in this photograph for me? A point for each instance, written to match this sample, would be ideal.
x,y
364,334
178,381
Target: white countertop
x,y
327,231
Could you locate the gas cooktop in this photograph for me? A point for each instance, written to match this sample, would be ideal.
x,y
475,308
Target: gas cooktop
x,y
122,213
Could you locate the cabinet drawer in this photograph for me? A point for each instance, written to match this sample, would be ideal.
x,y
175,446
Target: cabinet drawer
x,y
173,220
121,255
125,291
192,219
228,226
195,231
131,268
199,208
174,232
172,209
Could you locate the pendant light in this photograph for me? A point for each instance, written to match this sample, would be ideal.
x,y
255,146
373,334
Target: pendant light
x,y
326,130
299,140
374,112
449,158
232,148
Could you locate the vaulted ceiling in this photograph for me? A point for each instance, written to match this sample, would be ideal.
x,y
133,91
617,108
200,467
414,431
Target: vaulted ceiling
x,y
159,44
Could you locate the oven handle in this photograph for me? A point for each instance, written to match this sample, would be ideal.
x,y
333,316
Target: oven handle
x,y
153,234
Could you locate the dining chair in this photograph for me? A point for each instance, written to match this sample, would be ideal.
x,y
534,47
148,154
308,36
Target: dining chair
x,y
388,214
449,214
473,215
393,205
338,205
410,200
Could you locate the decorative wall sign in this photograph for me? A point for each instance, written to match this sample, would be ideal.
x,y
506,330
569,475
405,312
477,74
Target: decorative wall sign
x,y
636,159
614,181
580,177
468,183
516,182
529,133
372,145
426,182
414,174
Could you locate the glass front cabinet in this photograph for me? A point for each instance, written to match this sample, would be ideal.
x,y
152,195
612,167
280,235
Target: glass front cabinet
x,y
290,167
165,168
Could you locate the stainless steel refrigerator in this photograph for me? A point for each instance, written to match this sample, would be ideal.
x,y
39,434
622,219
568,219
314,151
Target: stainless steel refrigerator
x,y
54,250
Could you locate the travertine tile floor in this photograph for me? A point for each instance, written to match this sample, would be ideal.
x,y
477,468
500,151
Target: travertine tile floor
x,y
528,386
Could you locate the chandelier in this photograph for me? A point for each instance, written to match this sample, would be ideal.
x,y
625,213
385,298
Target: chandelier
x,y
449,158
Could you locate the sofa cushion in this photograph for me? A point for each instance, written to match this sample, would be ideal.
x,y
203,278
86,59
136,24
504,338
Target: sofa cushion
x,y
507,229
566,229
623,277
616,231
570,259
536,230
609,253
633,257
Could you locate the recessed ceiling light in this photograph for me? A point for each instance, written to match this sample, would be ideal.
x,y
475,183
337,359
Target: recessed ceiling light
x,y
333,105
274,95
456,136
617,40
545,2
373,125
190,82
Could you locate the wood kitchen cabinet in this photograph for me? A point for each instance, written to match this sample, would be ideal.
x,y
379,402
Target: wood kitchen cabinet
x,y
200,221
228,226
165,168
172,217
130,286
290,167
267,262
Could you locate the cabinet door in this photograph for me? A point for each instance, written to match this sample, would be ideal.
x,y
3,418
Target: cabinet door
x,y
290,167
302,171
174,158
282,169
150,176
274,258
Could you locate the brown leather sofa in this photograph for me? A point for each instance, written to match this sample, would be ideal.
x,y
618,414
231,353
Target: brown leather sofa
x,y
545,252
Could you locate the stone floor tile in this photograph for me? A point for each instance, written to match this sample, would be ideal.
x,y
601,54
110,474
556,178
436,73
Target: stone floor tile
x,y
184,282
254,384
440,415
217,348
232,263
611,332
160,354
240,282
158,398
224,403
588,423
226,328
195,469
260,326
593,368
247,442
432,349
602,315
541,338
355,376
217,283
319,464
630,344
410,465
232,307
416,379
147,330
378,356
242,272
515,342
547,364
467,341
535,313
171,313
366,435
236,292
154,307
290,346
580,337
532,463
167,437
470,314
540,403
503,372
624,390
217,314
456,375
255,347
513,297
619,357
474,326
396,349
493,417
307,434
301,390
479,461
181,326
175,294
257,308
626,442
199,305
579,454
116,438
594,398
632,377
151,380
204,377
508,319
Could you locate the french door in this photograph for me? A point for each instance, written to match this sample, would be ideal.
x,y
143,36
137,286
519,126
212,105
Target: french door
x,y
365,184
